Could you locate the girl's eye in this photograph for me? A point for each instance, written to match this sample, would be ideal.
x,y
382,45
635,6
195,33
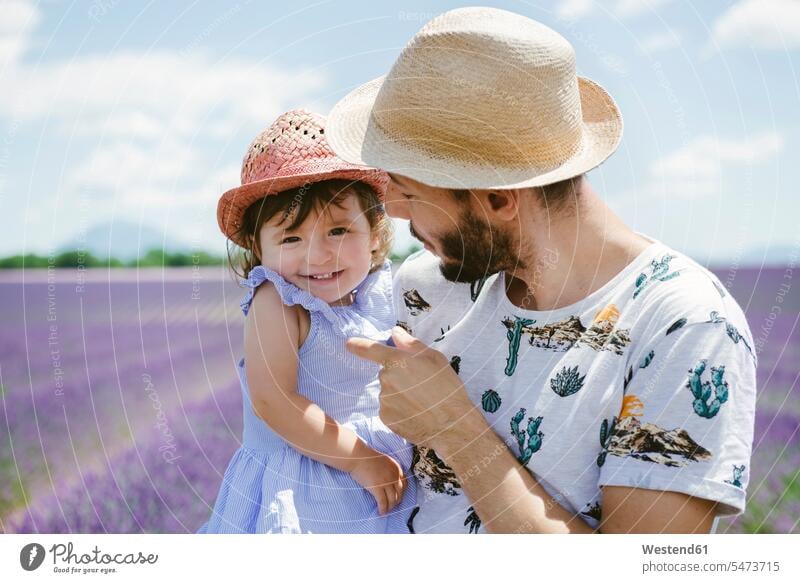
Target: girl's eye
x,y
338,231
290,240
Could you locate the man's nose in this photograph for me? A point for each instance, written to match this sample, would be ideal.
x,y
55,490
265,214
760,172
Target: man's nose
x,y
395,203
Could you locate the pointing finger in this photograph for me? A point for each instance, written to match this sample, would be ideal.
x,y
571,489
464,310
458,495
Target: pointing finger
x,y
406,341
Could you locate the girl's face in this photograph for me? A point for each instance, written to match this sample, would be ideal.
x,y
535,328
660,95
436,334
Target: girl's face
x,y
329,254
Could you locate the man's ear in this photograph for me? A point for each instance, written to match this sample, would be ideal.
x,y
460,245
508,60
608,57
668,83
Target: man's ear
x,y
503,204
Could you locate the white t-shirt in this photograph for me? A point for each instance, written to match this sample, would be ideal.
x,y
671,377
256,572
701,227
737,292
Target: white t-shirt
x,y
649,382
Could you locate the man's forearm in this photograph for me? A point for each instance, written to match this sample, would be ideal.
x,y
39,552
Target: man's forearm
x,y
505,495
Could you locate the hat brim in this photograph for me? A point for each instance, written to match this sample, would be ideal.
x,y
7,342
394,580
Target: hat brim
x,y
355,137
234,202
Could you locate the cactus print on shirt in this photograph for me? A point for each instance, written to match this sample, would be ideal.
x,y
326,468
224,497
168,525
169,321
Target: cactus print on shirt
x,y
649,382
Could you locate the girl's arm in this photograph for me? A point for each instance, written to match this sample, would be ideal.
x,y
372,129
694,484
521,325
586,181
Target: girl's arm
x,y
271,341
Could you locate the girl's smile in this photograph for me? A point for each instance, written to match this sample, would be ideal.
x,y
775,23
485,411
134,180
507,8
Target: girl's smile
x,y
324,277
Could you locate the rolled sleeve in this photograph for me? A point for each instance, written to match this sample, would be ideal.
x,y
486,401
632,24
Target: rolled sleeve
x,y
687,420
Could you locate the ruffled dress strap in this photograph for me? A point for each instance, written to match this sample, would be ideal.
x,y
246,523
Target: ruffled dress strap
x,y
290,294
374,291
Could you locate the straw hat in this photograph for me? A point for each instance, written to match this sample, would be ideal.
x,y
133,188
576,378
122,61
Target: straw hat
x,y
479,98
293,151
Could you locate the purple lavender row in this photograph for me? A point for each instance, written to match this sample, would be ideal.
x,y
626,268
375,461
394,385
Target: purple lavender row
x,y
34,365
145,490
52,436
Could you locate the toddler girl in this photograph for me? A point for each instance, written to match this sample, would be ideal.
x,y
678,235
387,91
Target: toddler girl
x,y
315,456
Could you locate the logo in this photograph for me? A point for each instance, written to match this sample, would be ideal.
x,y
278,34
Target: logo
x,y
31,556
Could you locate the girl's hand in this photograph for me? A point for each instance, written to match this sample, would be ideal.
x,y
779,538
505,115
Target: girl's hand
x,y
382,477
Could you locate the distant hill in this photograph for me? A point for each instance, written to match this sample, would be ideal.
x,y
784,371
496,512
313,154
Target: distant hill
x,y
123,240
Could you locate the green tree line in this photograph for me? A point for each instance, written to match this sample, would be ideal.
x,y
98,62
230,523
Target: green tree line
x,y
77,259
153,258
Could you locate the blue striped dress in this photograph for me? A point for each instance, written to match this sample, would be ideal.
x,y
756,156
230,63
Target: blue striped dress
x,y
270,487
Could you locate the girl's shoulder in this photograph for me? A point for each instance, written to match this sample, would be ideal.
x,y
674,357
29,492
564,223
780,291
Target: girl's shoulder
x,y
271,311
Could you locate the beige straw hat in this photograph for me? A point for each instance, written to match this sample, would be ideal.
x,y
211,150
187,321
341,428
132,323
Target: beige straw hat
x,y
479,98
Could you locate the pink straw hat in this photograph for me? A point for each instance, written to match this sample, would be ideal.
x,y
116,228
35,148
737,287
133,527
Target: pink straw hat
x,y
292,152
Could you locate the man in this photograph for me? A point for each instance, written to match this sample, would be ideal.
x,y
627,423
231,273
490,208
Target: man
x,y
557,371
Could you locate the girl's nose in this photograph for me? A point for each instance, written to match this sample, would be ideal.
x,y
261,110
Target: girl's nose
x,y
321,251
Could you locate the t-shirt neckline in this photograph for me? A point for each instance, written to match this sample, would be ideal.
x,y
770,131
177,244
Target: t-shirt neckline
x,y
499,287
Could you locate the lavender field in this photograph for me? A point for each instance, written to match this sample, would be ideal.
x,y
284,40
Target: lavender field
x,y
121,408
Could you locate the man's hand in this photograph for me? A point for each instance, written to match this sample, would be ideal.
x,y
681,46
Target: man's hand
x,y
421,395
423,400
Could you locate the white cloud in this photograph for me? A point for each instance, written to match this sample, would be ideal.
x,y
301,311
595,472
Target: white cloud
x,y
121,163
18,21
144,176
146,129
696,169
705,154
573,9
765,24
183,91
660,42
18,16
150,122
125,124
631,8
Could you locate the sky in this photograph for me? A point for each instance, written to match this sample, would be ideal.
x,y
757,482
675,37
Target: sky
x,y
141,112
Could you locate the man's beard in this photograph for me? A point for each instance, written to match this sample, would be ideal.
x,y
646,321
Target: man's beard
x,y
474,250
